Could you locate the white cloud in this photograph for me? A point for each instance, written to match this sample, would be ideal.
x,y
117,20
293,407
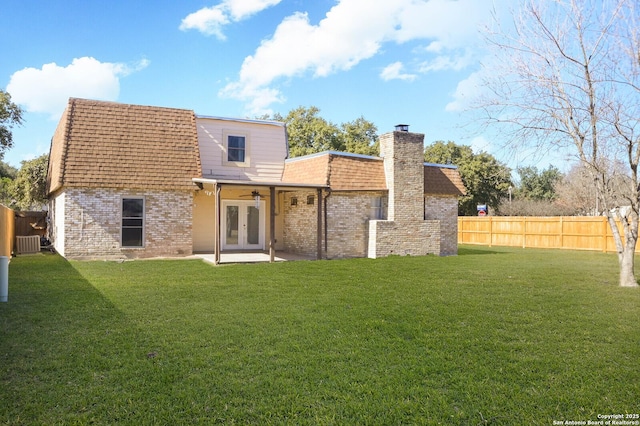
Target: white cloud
x,y
435,47
258,99
211,20
466,91
208,20
451,24
446,62
481,144
394,72
337,43
356,30
47,90
242,9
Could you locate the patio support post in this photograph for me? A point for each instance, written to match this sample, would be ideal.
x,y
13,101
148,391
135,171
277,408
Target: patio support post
x,y
272,224
319,225
216,256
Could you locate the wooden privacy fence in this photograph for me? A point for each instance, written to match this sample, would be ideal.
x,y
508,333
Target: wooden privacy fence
x,y
7,231
31,223
564,232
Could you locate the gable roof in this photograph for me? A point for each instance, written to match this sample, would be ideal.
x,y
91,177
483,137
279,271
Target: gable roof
x,y
114,145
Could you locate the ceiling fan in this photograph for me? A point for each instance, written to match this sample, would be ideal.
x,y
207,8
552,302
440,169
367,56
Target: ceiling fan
x,y
256,196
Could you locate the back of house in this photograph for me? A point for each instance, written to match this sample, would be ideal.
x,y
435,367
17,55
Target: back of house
x,y
132,181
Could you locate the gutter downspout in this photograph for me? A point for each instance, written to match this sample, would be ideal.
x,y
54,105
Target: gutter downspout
x,y
326,221
272,224
216,255
319,226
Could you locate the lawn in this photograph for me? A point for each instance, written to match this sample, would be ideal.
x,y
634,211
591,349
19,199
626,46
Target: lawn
x,y
493,336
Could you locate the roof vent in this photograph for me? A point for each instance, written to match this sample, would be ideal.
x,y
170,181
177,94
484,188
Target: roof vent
x,y
402,127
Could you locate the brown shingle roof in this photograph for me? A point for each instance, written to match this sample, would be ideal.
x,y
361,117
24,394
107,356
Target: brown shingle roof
x,y
312,169
348,172
442,180
113,145
341,171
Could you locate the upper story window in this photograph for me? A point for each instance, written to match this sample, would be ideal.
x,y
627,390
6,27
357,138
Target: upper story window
x,y
237,148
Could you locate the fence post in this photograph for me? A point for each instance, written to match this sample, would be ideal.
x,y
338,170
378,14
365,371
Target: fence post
x,y
490,231
605,239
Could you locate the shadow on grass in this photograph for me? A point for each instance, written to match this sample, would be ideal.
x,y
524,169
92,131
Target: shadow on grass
x,y
402,340
467,251
64,347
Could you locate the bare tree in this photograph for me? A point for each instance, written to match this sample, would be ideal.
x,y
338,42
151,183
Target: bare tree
x,y
577,189
566,76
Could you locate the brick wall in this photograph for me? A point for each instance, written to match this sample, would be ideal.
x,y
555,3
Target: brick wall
x,y
396,238
92,224
348,214
416,224
300,223
444,209
406,231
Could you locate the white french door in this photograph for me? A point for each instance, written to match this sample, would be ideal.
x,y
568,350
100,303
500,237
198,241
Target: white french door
x,y
242,225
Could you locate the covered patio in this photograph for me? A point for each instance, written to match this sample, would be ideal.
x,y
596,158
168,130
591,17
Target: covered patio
x,y
222,255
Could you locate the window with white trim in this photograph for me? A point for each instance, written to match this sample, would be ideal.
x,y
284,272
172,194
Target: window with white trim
x,y
132,222
237,148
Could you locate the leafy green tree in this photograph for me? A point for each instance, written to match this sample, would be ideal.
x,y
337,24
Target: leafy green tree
x,y
27,191
486,179
5,190
360,137
10,115
7,171
7,175
538,185
309,133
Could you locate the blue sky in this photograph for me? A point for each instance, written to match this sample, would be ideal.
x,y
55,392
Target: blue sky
x,y
400,61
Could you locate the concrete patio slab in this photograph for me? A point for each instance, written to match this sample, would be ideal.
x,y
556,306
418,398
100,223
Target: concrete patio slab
x,y
239,257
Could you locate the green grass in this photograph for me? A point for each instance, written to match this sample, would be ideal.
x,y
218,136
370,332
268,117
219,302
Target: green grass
x,y
492,336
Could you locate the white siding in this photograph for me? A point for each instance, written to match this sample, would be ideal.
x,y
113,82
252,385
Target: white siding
x,y
267,149
58,234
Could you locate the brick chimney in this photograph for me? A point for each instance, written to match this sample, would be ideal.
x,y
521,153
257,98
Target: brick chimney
x,y
403,154
405,232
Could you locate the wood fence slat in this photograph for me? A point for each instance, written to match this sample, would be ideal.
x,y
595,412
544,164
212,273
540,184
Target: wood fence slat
x,y
565,232
604,234
7,231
